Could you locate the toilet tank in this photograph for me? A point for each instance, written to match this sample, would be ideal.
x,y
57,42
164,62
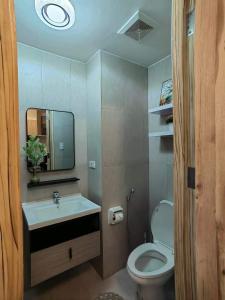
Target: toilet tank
x,y
162,223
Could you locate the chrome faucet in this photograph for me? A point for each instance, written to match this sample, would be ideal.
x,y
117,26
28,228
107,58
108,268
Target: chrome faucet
x,y
56,197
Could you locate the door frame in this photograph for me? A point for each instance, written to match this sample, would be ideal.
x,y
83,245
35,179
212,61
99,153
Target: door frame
x,y
183,97
11,238
199,215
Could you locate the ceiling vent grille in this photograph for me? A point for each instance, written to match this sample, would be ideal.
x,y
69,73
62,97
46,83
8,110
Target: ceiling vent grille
x,y
138,26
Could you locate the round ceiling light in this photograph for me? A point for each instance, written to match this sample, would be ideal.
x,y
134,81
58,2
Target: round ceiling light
x,y
57,14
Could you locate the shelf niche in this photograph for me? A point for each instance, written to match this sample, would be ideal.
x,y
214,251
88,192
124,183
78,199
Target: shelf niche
x,y
168,133
162,110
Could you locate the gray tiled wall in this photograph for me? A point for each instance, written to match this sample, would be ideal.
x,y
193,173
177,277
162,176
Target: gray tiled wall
x,y
124,155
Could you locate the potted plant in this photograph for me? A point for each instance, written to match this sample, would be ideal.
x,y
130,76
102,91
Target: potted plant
x,y
35,152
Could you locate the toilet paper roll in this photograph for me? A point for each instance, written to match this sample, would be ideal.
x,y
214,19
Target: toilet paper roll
x,y
118,217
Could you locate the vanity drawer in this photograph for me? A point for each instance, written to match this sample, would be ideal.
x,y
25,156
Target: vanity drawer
x,y
54,260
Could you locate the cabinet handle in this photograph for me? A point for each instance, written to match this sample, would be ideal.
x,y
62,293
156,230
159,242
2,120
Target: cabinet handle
x,y
70,253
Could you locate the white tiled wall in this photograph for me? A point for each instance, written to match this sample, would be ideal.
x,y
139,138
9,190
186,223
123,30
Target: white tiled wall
x,y
53,82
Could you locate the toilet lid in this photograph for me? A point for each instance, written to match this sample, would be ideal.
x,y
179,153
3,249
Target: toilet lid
x,y
162,223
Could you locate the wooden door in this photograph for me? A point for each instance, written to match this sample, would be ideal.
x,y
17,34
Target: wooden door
x,y
210,149
199,96
11,262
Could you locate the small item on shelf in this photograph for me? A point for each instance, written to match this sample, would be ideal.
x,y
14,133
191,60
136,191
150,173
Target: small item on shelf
x,y
166,92
35,178
169,119
36,153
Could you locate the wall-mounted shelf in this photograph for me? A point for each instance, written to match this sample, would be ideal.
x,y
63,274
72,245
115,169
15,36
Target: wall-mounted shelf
x,y
51,182
168,133
162,110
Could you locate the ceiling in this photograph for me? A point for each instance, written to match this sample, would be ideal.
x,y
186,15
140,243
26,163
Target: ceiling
x,y
96,26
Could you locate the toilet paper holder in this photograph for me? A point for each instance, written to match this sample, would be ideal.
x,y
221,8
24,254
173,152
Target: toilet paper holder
x,y
115,215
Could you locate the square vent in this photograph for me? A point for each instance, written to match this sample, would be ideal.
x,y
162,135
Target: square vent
x,y
138,26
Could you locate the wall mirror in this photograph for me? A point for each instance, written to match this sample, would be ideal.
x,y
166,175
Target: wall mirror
x,y
55,129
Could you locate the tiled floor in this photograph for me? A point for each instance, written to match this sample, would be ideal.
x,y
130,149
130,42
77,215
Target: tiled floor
x,y
83,283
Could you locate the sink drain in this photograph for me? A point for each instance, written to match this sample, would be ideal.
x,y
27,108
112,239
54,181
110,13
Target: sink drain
x,y
109,296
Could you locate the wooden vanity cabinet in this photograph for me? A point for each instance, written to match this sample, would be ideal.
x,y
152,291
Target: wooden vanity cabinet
x,y
54,249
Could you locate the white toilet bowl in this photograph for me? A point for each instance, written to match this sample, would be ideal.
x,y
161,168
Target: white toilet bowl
x,y
151,264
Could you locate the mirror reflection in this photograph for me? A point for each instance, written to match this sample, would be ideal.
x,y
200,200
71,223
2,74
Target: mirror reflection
x,y
55,129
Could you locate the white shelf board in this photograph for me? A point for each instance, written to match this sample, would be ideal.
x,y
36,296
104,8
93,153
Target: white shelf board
x,y
162,109
161,133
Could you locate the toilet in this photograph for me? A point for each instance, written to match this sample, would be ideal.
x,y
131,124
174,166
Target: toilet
x,y
150,265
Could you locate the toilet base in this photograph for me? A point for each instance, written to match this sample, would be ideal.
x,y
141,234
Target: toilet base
x,y
153,292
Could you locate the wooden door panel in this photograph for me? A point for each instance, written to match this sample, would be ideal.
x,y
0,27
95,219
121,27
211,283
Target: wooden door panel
x,y
210,145
11,249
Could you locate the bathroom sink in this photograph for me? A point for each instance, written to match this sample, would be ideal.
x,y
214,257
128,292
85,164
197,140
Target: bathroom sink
x,y
44,213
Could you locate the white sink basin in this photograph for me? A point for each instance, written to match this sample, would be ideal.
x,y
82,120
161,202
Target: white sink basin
x,y
44,213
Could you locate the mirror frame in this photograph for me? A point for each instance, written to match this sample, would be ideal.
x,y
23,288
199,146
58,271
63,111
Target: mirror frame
x,y
74,149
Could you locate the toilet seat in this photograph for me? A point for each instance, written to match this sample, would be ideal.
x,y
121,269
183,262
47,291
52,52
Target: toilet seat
x,y
159,251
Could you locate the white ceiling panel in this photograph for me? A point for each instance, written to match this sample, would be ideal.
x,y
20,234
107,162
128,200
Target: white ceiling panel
x,y
96,26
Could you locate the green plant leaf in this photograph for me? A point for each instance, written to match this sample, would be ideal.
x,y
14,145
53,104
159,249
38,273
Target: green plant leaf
x,y
35,151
